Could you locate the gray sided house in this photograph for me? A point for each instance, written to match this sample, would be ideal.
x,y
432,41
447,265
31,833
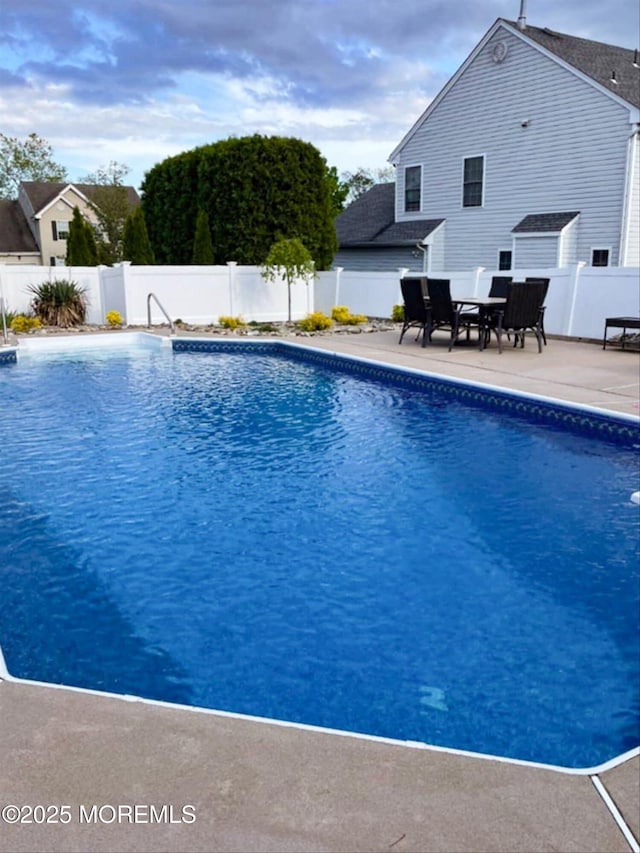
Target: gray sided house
x,y
528,157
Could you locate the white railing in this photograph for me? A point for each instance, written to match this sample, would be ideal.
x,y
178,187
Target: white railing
x,y
578,301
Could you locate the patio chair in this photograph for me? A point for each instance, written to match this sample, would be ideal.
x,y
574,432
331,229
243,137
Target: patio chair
x,y
414,296
521,312
545,282
442,312
499,284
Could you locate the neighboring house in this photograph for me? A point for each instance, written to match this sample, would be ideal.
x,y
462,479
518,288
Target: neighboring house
x,y
528,157
34,229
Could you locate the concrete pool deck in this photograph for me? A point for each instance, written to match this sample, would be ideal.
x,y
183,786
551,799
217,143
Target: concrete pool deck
x,y
256,786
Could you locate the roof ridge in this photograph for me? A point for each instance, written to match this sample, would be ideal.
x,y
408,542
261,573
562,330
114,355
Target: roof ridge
x,y
556,33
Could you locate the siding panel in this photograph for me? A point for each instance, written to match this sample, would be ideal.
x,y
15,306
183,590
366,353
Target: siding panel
x,y
378,260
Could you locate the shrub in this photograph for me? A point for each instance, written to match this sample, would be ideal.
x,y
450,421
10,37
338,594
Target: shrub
x,y
114,318
59,302
21,323
341,314
231,322
9,317
315,322
397,313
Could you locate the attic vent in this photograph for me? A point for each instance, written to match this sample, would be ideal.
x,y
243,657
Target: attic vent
x,y
551,33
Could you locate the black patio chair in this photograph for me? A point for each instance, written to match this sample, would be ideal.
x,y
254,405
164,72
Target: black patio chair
x,y
442,313
414,296
499,284
521,312
545,282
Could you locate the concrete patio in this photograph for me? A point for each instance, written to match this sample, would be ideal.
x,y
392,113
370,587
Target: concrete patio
x,y
259,786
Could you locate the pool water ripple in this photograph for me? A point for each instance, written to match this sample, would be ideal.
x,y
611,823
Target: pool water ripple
x,y
267,536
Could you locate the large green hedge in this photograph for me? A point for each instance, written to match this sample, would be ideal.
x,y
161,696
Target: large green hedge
x,y
254,190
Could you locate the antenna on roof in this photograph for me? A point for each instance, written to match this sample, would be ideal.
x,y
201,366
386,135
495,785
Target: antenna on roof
x,y
522,18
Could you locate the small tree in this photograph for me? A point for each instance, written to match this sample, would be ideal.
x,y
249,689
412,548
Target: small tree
x,y
136,245
111,206
202,245
288,259
81,244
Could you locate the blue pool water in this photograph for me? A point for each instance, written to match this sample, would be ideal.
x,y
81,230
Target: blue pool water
x,y
270,536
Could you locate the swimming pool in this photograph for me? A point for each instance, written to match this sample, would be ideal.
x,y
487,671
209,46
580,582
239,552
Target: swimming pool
x,y
270,531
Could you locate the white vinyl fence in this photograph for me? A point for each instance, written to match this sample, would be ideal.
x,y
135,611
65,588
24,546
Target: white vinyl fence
x,y
194,294
578,301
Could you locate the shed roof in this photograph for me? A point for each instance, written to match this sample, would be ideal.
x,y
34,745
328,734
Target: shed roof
x,y
540,222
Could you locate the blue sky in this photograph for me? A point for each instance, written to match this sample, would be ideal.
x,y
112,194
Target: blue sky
x,y
136,81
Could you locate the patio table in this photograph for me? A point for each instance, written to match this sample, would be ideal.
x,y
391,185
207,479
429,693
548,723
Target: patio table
x,y
486,305
623,323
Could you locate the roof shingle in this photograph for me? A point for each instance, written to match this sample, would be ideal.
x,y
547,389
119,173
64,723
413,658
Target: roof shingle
x,y
370,220
15,234
539,222
593,58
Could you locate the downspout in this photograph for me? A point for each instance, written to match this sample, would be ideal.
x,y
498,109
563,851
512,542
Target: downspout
x,y
425,256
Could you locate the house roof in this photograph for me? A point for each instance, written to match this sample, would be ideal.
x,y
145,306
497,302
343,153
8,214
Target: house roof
x,y
541,222
590,59
15,234
42,193
593,58
370,221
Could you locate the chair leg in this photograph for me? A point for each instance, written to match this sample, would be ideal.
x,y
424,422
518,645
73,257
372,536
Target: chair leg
x,y
454,331
539,337
404,329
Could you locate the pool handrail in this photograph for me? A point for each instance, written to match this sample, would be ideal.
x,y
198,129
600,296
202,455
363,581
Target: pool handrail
x,y
5,337
160,306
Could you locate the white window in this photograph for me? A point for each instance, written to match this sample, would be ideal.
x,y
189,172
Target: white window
x,y
412,182
600,257
505,258
60,229
473,181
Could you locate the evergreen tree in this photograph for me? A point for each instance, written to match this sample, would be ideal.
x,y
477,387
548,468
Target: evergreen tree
x,y
92,244
254,189
135,244
81,246
202,245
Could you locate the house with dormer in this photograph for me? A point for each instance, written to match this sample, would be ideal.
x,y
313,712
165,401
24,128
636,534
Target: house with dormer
x,y
34,228
529,157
